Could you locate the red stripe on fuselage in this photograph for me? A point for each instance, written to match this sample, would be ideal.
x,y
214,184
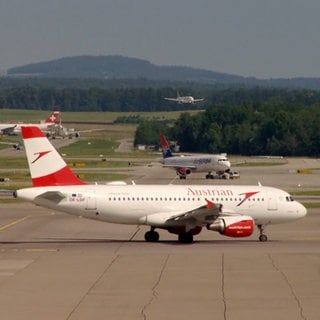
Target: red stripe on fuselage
x,y
31,132
63,177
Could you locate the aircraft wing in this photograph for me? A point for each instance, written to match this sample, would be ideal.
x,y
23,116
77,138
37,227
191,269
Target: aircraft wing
x,y
171,99
202,215
8,130
198,100
179,166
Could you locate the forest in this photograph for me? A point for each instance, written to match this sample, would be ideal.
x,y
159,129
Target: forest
x,y
130,99
255,121
247,129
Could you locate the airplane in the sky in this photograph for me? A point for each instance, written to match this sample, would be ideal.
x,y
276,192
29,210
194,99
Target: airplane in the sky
x,y
46,126
180,209
184,165
184,99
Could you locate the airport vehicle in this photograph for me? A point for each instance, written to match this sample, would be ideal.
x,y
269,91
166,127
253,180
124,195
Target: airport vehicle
x,y
180,209
184,165
184,99
46,126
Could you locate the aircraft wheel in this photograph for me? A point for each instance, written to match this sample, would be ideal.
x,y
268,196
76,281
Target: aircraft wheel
x,y
186,237
151,236
263,238
183,177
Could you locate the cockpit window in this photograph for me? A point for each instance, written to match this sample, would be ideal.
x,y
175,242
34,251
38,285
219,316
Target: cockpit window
x,y
289,198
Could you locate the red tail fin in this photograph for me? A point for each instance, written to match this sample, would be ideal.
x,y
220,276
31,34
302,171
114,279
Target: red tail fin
x,y
166,152
53,117
47,167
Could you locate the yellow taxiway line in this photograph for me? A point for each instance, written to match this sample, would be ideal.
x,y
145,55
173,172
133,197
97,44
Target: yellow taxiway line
x,y
11,224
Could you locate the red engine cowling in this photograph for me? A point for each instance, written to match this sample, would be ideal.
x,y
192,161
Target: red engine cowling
x,y
183,171
233,226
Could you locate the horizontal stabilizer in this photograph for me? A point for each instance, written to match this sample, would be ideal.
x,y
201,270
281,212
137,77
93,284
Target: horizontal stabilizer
x,y
53,196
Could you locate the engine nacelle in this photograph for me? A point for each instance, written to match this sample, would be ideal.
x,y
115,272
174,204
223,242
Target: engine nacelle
x,y
233,226
183,171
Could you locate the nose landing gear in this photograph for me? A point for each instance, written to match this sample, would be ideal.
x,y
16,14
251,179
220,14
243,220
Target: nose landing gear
x,y
263,237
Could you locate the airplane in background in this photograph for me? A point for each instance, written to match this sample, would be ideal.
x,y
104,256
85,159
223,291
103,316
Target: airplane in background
x,y
46,126
184,99
184,165
180,209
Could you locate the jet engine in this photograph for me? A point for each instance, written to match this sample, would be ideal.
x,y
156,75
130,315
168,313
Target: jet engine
x,y
233,226
183,171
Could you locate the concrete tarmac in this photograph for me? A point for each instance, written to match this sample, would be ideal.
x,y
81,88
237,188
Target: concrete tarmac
x,y
56,266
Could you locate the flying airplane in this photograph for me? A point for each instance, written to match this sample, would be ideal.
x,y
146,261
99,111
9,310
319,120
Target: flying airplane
x,y
46,126
184,165
184,99
180,209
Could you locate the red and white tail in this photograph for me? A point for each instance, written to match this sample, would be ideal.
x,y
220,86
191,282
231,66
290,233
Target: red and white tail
x,y
46,166
53,117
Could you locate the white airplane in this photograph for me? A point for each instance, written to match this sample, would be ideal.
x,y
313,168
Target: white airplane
x,y
46,126
184,165
184,99
180,209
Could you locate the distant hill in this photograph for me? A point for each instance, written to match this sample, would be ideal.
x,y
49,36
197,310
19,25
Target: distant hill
x,y
119,67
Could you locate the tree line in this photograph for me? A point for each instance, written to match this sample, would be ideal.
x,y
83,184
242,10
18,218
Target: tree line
x,y
247,129
145,99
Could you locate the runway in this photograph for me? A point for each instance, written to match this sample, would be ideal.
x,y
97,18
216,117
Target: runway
x,y
56,266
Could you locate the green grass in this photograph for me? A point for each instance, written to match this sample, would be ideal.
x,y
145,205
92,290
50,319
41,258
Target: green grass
x,y
92,177
9,115
103,163
90,148
311,205
306,193
17,163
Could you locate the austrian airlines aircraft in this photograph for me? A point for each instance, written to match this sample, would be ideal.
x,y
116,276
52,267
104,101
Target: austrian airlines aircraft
x,y
184,165
47,125
180,209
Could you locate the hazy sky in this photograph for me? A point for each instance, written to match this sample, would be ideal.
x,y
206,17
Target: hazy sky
x,y
265,39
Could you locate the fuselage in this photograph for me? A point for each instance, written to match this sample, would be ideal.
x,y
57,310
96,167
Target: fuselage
x,y
133,204
205,163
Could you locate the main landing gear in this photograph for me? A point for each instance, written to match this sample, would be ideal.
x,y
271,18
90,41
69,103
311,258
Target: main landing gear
x,y
263,237
209,176
153,236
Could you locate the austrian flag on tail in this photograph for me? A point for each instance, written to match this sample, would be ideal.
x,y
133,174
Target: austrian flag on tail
x,y
39,148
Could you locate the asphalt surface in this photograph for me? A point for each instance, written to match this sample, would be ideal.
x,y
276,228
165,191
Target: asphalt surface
x,y
56,266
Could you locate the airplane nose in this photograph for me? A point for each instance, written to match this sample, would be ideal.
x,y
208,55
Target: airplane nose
x,y
302,211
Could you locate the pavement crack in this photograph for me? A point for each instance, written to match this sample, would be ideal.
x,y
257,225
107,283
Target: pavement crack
x,y
93,285
286,279
154,289
223,287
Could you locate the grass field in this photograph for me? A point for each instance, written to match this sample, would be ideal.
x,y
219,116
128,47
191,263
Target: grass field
x,y
9,115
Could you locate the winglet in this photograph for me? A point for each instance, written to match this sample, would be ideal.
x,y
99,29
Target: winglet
x,y
209,204
47,168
